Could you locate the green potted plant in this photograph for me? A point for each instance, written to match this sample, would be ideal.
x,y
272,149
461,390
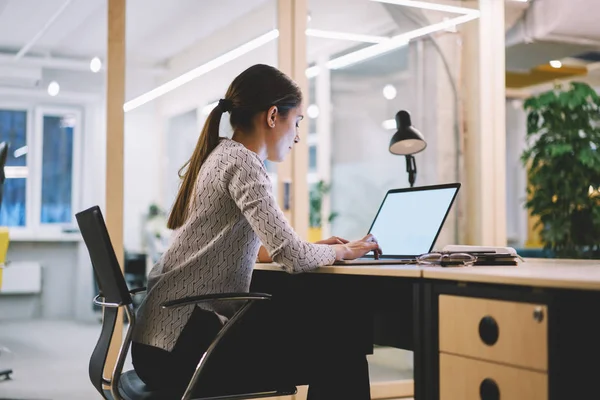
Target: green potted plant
x,y
563,168
316,194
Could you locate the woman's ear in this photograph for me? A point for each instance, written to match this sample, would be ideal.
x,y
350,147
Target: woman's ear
x,y
272,116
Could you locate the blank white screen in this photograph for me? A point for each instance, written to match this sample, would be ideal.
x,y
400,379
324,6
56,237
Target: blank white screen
x,y
408,221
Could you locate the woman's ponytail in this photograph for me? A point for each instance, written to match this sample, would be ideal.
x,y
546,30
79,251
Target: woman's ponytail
x,y
207,142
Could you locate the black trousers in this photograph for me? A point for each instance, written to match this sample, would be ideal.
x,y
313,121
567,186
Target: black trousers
x,y
268,349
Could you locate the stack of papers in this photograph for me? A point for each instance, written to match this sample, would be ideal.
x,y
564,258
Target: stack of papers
x,y
487,255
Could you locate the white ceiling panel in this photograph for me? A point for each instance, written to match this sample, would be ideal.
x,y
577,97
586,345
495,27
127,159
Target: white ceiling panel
x,y
156,29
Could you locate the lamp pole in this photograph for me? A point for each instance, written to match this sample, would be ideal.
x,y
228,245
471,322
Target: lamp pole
x,y
411,168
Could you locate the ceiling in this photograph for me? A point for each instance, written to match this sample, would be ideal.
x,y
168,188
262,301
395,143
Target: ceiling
x,y
156,29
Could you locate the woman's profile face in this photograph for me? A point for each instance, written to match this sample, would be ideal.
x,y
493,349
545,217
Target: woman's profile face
x,y
283,133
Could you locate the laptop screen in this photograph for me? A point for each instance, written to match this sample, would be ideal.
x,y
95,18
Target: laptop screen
x,y
409,220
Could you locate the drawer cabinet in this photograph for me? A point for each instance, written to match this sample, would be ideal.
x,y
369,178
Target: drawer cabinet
x,y
462,378
511,333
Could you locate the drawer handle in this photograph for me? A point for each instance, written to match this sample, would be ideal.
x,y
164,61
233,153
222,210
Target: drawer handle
x,y
488,390
538,314
488,330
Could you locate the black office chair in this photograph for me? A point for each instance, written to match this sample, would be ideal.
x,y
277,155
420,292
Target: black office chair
x,y
115,294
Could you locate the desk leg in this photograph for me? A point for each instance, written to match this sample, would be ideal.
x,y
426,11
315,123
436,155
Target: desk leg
x,y
429,339
418,342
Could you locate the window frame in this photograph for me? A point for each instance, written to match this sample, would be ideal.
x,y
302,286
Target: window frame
x,y
56,111
34,229
29,189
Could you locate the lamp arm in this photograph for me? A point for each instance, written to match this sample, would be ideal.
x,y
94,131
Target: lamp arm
x,y
411,168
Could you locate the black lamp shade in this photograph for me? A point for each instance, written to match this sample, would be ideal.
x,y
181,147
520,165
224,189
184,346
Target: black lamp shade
x,y
407,140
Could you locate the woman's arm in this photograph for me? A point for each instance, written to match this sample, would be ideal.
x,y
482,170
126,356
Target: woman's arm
x,y
264,257
250,187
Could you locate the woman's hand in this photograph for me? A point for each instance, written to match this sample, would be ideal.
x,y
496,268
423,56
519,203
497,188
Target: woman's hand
x,y
357,248
333,240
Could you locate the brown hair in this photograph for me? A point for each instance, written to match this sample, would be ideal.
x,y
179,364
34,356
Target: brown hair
x,y
253,91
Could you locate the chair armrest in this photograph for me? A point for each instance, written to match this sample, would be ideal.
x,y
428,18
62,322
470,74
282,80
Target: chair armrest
x,y
216,297
137,290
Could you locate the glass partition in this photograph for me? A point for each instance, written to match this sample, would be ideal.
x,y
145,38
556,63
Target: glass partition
x,y
367,61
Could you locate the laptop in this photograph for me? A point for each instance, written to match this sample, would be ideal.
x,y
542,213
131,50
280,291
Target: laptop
x,y
409,222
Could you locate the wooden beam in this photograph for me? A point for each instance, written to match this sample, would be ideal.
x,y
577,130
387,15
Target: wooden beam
x,y
485,126
292,61
115,98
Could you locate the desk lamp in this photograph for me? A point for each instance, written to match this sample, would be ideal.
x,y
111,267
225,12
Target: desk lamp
x,y
406,142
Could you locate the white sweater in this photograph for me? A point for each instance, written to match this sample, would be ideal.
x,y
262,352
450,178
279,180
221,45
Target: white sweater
x,y
232,212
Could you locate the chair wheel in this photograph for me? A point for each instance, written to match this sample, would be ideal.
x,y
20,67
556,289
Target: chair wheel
x,y
5,375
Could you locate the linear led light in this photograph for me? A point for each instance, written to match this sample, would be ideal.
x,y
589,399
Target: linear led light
x,y
313,71
201,70
355,37
398,41
389,124
16,172
428,6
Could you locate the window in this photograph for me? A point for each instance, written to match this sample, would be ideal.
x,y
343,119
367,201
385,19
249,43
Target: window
x,y
13,130
57,169
42,169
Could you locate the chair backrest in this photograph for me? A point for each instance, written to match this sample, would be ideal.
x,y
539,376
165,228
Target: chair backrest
x,y
110,280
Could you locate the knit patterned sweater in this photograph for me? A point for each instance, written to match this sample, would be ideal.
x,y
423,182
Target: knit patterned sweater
x,y
232,211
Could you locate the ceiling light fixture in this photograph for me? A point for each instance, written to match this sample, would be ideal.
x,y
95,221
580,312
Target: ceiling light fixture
x,y
555,64
21,151
16,172
53,88
313,71
398,41
312,111
389,92
201,70
389,124
95,64
428,6
355,37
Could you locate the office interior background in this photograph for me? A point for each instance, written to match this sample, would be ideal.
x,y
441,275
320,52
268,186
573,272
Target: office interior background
x,y
463,69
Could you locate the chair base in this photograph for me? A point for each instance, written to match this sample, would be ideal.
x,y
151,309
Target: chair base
x,y
5,375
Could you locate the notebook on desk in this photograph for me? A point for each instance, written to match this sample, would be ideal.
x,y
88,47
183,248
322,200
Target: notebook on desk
x,y
408,223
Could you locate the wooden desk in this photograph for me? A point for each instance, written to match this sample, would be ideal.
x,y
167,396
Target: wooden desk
x,y
390,270
562,274
530,332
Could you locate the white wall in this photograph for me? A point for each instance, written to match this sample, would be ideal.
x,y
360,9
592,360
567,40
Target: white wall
x,y
142,168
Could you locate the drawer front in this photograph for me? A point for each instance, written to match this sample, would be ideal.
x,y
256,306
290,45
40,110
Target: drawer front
x,y
467,379
500,331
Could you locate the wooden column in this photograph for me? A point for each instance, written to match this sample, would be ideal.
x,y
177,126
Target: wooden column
x,y
115,98
485,126
293,171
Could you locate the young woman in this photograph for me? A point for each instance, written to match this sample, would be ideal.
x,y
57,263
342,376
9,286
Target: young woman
x,y
223,212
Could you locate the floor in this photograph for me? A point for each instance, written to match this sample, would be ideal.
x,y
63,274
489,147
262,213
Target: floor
x,y
50,360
